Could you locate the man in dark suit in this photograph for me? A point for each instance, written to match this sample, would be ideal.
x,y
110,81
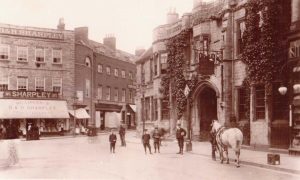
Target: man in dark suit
x,y
180,134
112,140
156,139
122,135
146,141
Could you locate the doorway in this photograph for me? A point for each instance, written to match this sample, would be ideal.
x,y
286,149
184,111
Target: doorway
x,y
207,107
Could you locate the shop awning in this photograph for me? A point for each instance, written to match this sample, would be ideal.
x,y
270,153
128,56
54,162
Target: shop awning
x,y
34,109
79,113
133,107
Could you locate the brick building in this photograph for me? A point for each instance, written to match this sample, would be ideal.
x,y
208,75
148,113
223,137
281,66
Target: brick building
x,y
216,31
105,81
36,76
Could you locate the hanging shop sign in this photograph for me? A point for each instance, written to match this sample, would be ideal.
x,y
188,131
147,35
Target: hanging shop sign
x,y
30,94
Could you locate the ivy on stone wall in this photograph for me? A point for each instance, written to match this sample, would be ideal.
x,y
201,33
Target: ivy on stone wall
x,y
176,61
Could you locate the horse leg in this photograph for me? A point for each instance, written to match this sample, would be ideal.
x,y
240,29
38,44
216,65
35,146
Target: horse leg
x,y
227,158
237,153
221,156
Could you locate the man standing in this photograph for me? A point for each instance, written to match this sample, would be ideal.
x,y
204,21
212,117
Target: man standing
x,y
156,139
122,135
112,140
146,141
213,145
180,133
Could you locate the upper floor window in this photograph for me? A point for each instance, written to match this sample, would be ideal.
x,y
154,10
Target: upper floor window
x,y
116,94
240,31
107,70
123,74
100,68
39,84
4,52
22,53
99,92
57,56
57,85
108,94
260,102
40,54
88,61
87,88
163,63
22,83
130,96
242,103
123,95
130,75
142,74
3,83
116,72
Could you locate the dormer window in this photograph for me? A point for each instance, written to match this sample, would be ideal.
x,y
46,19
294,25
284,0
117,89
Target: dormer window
x,y
88,62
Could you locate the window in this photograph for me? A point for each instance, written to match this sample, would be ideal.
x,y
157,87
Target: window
x,y
107,70
3,83
57,85
130,96
22,83
155,107
151,68
100,68
280,104
260,102
40,54
116,72
123,95
99,92
116,94
130,75
87,88
240,31
22,53
155,65
142,74
123,74
163,63
57,56
88,61
147,108
242,103
4,52
39,84
165,113
108,93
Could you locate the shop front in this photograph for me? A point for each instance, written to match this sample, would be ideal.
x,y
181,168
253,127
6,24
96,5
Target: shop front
x,y
30,110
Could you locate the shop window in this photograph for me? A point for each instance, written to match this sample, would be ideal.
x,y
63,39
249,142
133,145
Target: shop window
x,y
22,83
123,95
107,70
116,72
99,92
260,102
4,52
39,84
280,104
57,85
100,68
116,94
241,27
40,54
108,94
242,97
57,56
88,62
123,74
87,88
165,112
3,83
22,53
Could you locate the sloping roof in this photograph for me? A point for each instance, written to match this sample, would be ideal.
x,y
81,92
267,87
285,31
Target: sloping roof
x,y
147,54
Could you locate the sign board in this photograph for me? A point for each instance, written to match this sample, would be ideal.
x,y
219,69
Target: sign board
x,y
30,94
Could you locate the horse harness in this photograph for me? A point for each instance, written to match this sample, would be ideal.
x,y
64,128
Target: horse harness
x,y
218,138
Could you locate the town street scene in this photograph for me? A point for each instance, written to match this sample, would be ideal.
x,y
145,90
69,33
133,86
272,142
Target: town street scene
x,y
150,89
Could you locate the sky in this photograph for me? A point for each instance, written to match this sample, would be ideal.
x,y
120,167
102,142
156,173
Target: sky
x,y
131,21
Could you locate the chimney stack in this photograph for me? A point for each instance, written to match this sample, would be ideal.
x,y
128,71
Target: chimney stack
x,y
81,34
110,41
61,24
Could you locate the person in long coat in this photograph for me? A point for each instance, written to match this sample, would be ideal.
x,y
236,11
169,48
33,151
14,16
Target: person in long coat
x,y
122,135
146,141
180,134
112,140
156,140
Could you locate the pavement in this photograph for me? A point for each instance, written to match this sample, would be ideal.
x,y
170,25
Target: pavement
x,y
288,163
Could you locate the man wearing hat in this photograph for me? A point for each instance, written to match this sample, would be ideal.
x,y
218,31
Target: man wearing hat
x,y
180,133
112,140
156,139
146,141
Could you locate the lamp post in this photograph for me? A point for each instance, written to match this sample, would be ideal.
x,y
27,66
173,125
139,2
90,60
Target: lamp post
x,y
74,108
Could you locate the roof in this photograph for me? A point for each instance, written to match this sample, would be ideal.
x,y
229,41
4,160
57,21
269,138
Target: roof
x,y
147,54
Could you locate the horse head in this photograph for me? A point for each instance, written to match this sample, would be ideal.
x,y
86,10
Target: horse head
x,y
215,125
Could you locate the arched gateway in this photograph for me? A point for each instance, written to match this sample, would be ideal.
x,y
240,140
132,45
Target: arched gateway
x,y
204,109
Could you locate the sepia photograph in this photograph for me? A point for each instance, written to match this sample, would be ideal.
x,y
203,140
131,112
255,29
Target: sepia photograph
x,y
150,89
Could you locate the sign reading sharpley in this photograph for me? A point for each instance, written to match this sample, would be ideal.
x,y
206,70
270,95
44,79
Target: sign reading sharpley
x,y
31,94
31,33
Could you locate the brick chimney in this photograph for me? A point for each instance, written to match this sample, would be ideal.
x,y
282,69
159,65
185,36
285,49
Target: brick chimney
x,y
172,16
110,41
61,24
81,34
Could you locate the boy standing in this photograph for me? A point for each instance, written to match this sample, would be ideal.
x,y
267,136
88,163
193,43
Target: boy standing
x,y
112,140
146,141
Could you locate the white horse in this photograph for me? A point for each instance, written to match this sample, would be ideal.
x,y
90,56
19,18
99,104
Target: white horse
x,y
227,138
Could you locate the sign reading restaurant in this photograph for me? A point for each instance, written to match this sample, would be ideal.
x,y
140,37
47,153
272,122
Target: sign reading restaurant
x,y
31,33
30,94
